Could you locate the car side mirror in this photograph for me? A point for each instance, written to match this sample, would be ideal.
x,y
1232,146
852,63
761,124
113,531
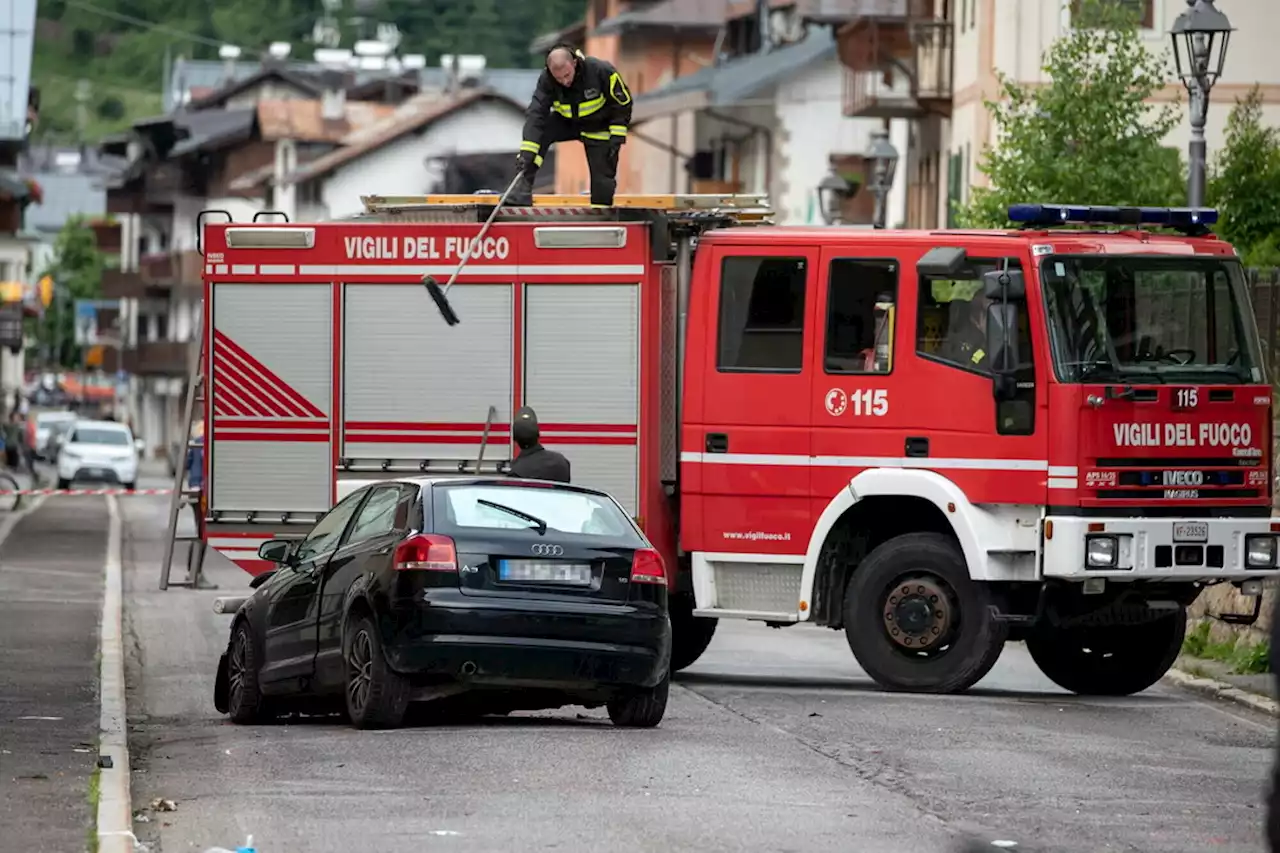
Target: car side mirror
x,y
1002,347
277,551
139,446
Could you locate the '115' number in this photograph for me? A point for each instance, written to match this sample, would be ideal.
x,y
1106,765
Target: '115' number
x,y
870,402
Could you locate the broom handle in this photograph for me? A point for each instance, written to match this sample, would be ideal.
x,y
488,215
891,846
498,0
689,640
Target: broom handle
x,y
471,248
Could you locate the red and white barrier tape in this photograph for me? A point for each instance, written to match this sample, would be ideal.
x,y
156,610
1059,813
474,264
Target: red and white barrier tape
x,y
86,492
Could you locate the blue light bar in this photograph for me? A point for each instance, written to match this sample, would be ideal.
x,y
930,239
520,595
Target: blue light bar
x,y
1186,219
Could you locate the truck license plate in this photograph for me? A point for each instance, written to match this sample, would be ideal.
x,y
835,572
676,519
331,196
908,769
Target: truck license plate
x,y
1190,531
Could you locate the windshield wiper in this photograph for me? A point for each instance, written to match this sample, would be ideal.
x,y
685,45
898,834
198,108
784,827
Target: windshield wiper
x,y
1109,372
532,519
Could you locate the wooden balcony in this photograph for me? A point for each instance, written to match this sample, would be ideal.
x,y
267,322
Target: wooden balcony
x,y
107,235
158,275
157,358
898,60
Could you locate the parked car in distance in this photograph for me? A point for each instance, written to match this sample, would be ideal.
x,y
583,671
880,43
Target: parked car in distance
x,y
98,452
520,594
40,424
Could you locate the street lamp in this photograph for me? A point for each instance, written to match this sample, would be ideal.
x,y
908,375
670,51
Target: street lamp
x,y
832,192
1200,37
884,161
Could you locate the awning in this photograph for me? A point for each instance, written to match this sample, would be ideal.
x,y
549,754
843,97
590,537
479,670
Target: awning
x,y
736,80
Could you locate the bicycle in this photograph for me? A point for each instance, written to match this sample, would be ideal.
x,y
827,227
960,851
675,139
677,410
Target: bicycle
x,y
11,501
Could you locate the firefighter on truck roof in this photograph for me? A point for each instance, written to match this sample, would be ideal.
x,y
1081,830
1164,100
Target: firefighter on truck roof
x,y
577,97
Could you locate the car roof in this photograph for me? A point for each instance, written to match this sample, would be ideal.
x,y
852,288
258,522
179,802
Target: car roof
x,y
499,480
116,425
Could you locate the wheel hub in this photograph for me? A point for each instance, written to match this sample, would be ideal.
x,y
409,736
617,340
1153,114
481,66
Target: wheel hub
x,y
917,613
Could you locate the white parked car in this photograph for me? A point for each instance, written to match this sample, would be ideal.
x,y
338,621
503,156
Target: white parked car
x,y
42,426
101,452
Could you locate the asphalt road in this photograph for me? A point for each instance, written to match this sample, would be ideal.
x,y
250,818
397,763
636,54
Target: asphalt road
x,y
51,564
774,741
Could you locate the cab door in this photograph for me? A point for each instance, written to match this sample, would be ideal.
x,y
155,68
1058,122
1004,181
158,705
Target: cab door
x,y
757,385
856,408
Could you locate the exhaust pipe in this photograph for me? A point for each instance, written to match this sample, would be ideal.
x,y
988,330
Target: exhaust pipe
x,y
468,668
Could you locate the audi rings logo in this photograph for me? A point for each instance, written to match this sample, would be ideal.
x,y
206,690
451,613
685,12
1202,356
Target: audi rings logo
x,y
548,550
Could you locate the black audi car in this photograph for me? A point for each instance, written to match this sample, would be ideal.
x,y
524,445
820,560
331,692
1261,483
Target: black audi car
x,y
513,594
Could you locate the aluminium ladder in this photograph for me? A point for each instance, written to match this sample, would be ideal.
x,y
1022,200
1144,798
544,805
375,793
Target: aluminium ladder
x,y
183,496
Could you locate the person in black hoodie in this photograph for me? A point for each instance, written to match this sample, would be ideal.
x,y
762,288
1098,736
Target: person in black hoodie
x,y
535,462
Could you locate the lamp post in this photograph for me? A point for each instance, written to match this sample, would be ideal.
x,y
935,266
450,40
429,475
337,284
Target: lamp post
x,y
884,161
1200,37
832,191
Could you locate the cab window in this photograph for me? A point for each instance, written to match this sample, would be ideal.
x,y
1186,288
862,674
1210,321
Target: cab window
x,y
861,303
761,316
951,329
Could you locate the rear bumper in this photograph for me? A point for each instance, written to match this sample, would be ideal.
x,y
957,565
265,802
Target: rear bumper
x,y
1145,545
507,644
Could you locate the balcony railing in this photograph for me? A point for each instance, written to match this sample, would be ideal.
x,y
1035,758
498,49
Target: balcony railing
x,y
898,67
156,358
158,274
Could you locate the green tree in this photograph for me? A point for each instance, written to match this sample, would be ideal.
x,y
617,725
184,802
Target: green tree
x,y
1245,184
1088,136
76,268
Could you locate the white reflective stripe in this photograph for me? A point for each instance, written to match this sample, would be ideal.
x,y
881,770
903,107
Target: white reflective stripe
x,y
865,461
244,269
1063,471
237,543
277,269
1063,483
472,269
221,269
238,555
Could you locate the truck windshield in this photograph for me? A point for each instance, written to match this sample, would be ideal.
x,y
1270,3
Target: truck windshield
x,y
1150,319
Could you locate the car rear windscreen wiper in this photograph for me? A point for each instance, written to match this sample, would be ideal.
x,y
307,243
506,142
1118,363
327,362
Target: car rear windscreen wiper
x,y
532,519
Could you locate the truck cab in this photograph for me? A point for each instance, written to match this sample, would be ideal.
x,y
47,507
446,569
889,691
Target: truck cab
x,y
940,441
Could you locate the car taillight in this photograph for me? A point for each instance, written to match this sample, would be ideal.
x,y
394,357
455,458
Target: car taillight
x,y
647,567
427,551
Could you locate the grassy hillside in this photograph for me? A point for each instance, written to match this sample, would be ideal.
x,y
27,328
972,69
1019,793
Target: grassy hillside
x,y
119,46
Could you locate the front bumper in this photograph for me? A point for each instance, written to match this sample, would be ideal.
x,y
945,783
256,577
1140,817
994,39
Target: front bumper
x,y
98,470
1147,549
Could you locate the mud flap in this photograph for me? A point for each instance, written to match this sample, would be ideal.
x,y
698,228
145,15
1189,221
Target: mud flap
x,y
221,686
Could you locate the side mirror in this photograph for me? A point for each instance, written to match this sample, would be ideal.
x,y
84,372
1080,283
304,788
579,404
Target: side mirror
x,y
139,446
1004,285
1002,347
276,551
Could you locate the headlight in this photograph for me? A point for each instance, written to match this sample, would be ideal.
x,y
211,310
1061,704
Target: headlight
x,y
1100,552
1260,552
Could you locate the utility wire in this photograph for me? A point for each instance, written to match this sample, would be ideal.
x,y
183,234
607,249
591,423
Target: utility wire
x,y
151,25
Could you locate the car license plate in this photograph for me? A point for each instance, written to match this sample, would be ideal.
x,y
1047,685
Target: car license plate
x,y
534,571
1190,531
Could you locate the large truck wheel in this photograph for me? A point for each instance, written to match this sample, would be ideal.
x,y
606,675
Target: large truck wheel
x,y
915,620
690,635
1108,660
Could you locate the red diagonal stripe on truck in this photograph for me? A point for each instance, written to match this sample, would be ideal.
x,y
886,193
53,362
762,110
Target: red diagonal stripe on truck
x,y
224,394
255,399
274,382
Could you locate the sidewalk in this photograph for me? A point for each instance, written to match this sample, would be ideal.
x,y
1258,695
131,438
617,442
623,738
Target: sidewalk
x,y
51,586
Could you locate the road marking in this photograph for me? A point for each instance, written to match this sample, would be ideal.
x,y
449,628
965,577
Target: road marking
x,y
115,810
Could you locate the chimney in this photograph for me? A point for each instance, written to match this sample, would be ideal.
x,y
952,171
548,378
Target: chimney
x,y
333,100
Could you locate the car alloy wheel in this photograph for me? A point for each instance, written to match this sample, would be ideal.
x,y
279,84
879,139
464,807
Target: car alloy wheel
x,y
236,670
360,665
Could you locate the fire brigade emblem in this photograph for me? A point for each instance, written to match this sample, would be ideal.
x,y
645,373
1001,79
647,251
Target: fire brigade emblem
x,y
837,402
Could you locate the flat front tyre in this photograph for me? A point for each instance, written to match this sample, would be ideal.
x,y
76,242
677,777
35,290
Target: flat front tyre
x,y
1108,660
245,702
916,622
377,696
641,708
690,635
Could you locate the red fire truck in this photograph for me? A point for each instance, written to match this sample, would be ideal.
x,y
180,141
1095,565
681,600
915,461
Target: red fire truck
x,y
937,441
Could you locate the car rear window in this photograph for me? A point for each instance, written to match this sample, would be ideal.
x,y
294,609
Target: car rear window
x,y
88,435
458,508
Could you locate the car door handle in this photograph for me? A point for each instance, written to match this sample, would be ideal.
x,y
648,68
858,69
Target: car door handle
x,y
386,549
717,442
917,446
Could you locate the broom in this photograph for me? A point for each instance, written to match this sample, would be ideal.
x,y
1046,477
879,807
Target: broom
x,y
439,295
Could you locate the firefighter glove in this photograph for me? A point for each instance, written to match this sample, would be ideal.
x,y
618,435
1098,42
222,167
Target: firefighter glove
x,y
525,162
